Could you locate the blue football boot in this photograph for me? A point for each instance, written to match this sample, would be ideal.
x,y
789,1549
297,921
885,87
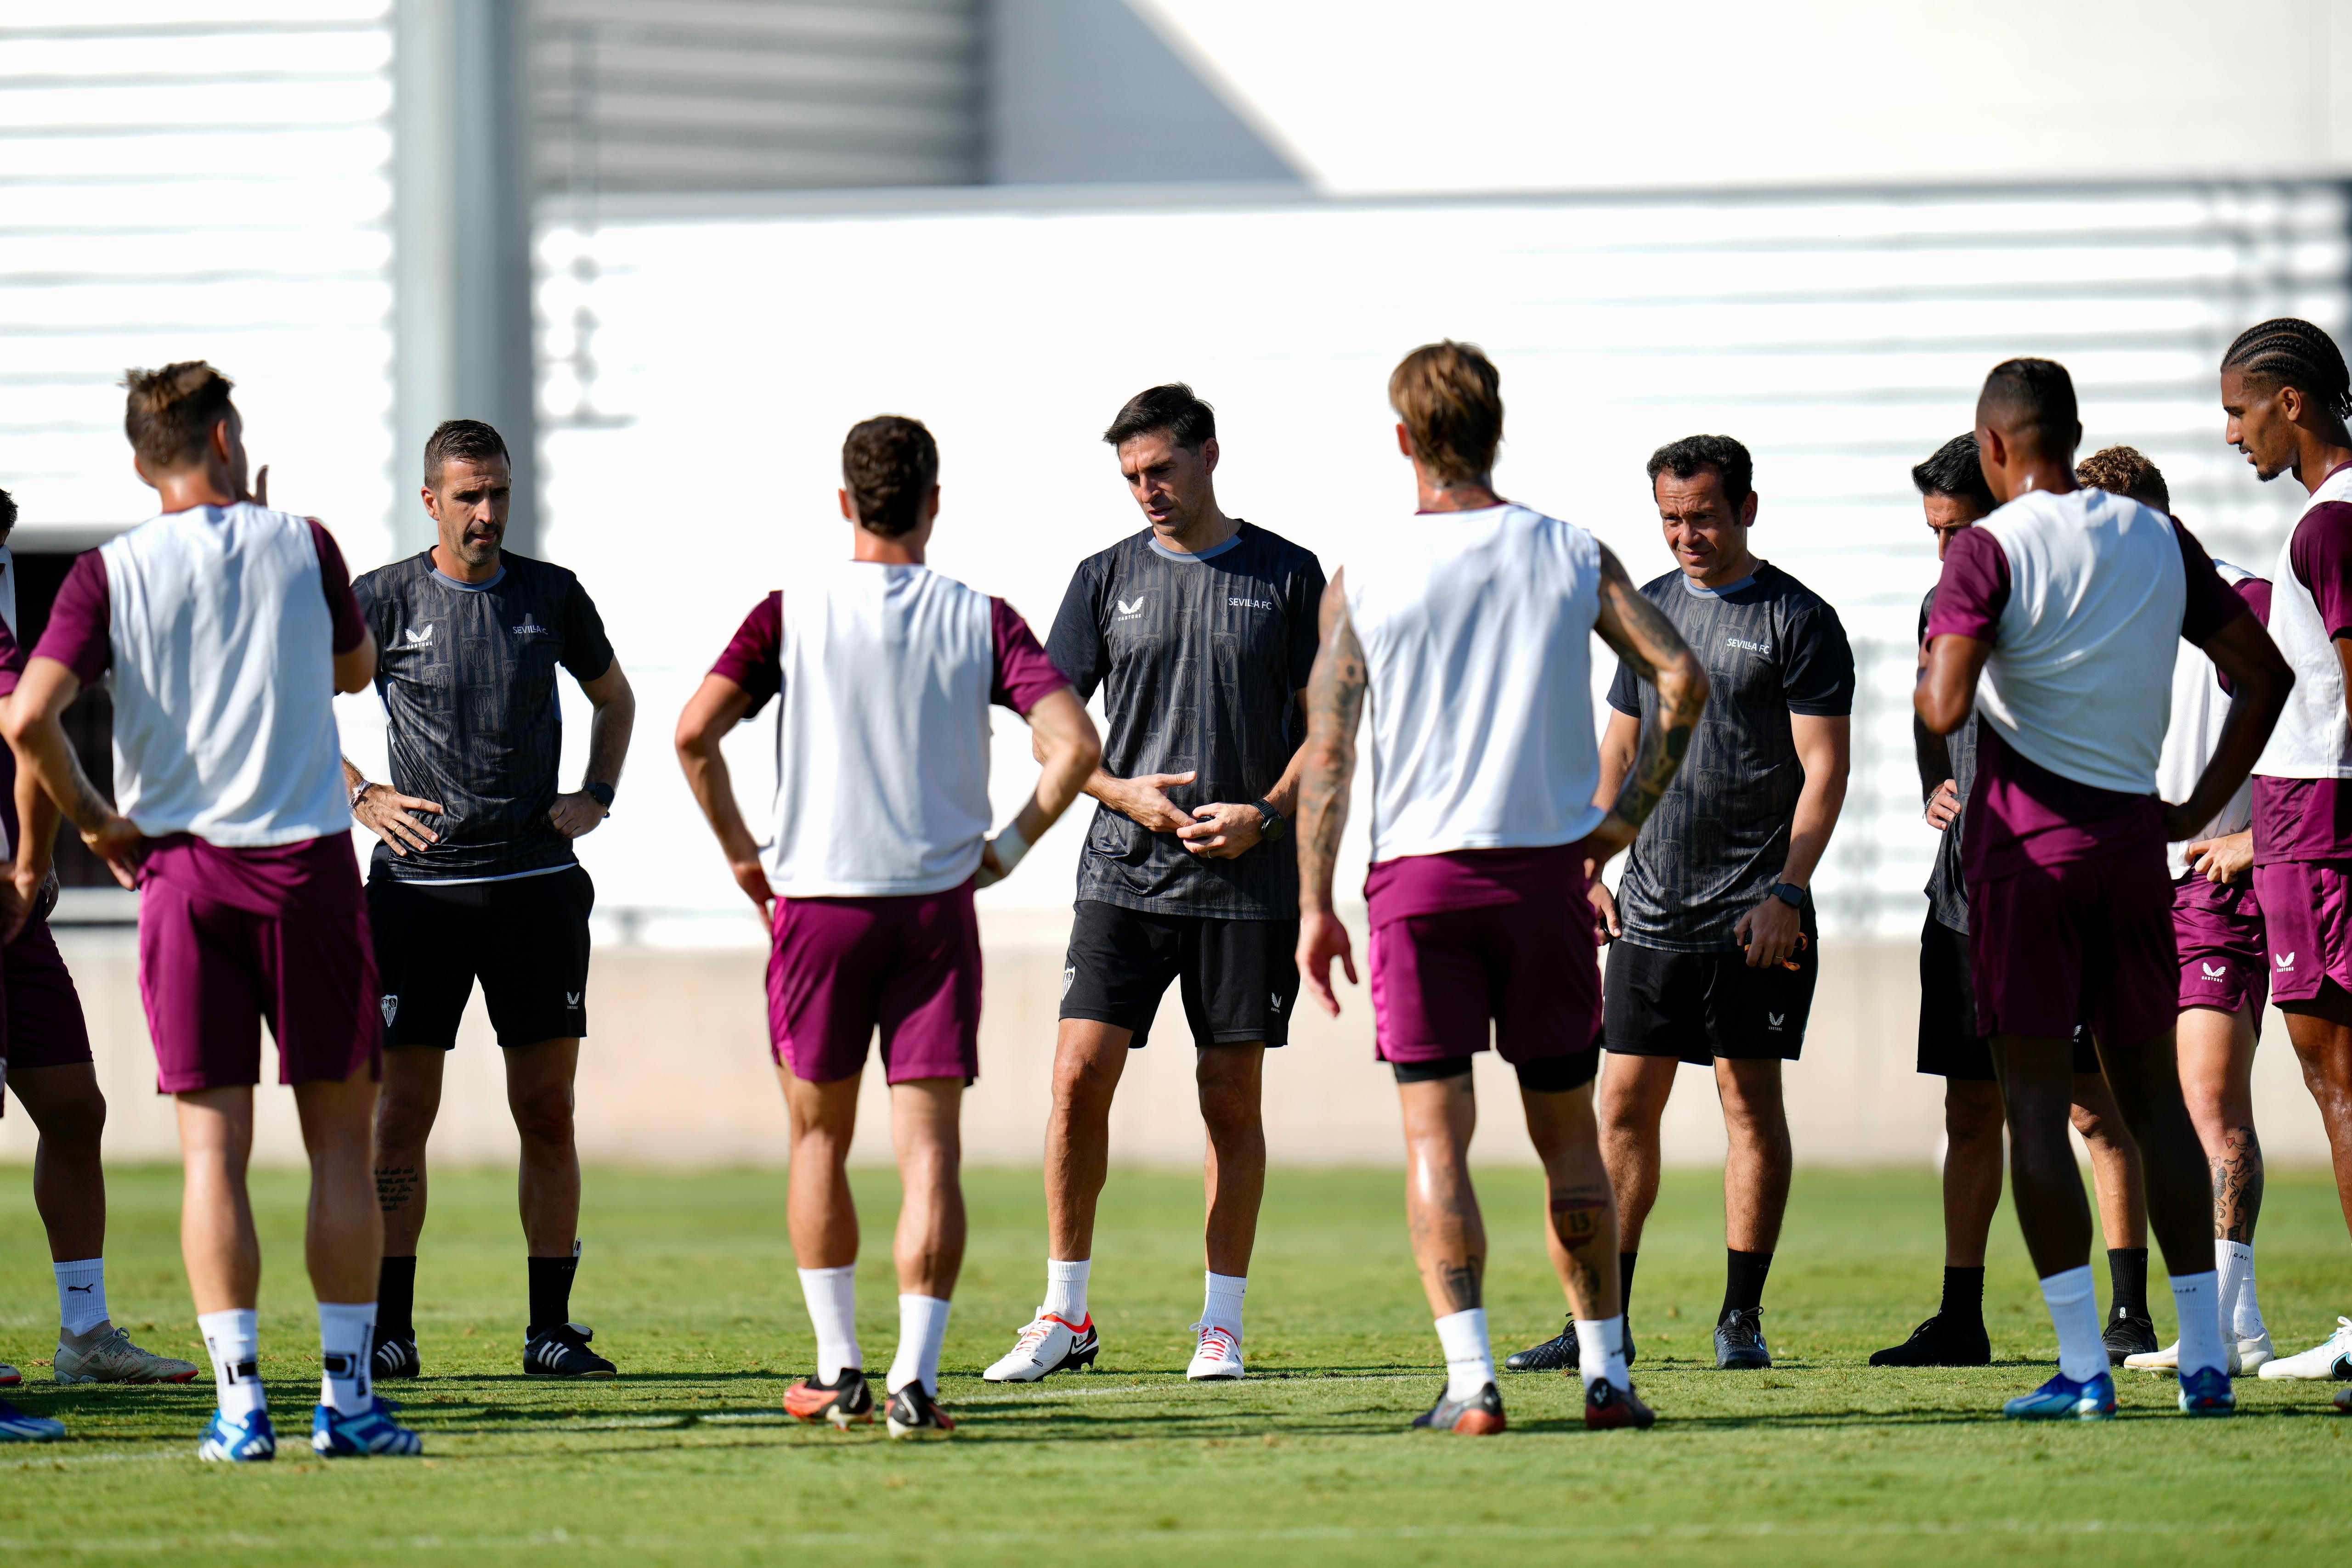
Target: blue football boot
x,y
16,1427
2062,1398
369,1434
246,1440
2206,1392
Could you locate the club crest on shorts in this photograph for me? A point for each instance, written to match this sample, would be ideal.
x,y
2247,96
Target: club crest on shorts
x,y
1069,979
391,1005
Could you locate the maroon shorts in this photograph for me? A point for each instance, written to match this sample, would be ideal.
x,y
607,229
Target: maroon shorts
x,y
2307,926
1530,967
43,1012
229,939
2086,940
842,967
2219,930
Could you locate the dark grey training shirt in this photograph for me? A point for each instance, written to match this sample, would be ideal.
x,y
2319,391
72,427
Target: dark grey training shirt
x,y
1200,659
1717,840
467,678
1947,894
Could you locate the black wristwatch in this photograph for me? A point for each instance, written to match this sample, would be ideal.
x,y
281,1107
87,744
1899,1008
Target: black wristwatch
x,y
1790,893
1273,821
599,793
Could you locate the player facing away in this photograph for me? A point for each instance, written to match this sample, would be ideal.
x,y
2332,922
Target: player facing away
x,y
45,1060
883,671
2217,925
2056,622
1715,949
1954,495
475,876
227,629
1469,629
2286,394
1199,630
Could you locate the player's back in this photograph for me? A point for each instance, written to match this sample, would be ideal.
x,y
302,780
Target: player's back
x,y
883,732
1477,628
223,685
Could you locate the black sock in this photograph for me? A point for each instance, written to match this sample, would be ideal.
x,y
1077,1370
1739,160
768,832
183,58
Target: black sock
x,y
1743,1280
551,1292
395,1299
1963,1295
1625,1261
2127,1269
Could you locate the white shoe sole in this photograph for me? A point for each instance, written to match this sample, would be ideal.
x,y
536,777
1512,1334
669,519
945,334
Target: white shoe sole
x,y
1218,1371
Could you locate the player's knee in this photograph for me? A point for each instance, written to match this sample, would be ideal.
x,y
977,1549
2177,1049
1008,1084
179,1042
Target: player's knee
x,y
544,1120
74,1121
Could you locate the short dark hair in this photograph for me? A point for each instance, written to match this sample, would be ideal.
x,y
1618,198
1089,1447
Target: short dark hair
x,y
467,441
2126,471
2040,396
1686,458
889,464
1450,396
1175,408
169,413
1955,471
7,512
2291,352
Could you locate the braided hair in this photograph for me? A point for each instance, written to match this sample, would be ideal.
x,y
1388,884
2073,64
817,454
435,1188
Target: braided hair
x,y
2289,351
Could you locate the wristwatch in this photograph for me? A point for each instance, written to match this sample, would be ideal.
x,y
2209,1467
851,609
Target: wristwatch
x,y
1273,821
599,793
1790,893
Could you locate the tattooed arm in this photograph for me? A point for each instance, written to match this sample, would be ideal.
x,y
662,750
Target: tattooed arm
x,y
1335,706
38,737
1643,636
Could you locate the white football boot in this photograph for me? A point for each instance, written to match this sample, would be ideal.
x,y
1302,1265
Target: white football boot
x,y
2168,1358
115,1359
2255,1353
1218,1358
1046,1347
2319,1364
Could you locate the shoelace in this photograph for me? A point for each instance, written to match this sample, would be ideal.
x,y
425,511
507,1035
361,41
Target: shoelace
x,y
1033,1336
1215,1340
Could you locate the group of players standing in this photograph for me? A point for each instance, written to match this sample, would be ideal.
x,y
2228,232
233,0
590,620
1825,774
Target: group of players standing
x,y
2054,726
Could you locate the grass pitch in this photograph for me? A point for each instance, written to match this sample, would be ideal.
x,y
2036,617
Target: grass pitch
x,y
688,1459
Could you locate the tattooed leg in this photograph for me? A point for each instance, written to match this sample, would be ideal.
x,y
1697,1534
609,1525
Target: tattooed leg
x,y
2217,1063
405,1113
2238,1186
1581,1229
1449,1237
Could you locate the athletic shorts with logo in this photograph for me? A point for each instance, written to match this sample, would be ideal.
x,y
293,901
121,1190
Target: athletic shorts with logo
x,y
230,939
1238,979
1471,939
2218,928
1698,1007
2307,926
1949,1045
525,938
2053,946
909,966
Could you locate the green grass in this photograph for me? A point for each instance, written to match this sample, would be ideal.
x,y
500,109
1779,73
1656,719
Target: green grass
x,y
688,1460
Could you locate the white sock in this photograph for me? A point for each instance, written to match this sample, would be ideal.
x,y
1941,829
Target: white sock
x,y
1469,1359
1065,1290
2074,1301
233,1339
2198,1299
832,1297
1600,1352
923,1326
344,1331
1223,1308
81,1294
2241,1313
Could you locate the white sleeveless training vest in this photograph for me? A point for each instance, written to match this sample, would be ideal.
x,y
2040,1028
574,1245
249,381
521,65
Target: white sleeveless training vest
x,y
224,679
2312,739
1478,634
2198,707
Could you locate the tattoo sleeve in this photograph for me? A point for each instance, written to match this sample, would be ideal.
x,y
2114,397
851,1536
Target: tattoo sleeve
x,y
1643,636
1335,707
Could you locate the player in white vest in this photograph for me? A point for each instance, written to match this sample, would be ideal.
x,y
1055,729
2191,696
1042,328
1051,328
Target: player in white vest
x,y
2218,925
2286,394
227,629
883,671
2056,621
1467,629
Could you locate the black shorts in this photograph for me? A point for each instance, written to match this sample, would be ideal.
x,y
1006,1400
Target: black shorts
x,y
1696,1007
1239,978
1545,1074
526,938
1949,1046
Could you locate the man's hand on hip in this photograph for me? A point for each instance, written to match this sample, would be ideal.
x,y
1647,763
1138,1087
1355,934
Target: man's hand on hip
x,y
1219,833
385,811
1944,806
576,815
1771,932
1144,801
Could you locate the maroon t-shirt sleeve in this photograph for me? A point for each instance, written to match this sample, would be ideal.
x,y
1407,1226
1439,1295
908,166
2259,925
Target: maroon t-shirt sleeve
x,y
343,605
754,657
1974,588
78,633
1024,675
2210,605
2322,556
2256,592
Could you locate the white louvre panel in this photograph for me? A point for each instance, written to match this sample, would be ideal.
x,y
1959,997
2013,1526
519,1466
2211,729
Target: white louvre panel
x,y
213,188
754,95
1843,337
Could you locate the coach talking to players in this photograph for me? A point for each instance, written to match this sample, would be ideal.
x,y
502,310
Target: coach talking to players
x,y
476,876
